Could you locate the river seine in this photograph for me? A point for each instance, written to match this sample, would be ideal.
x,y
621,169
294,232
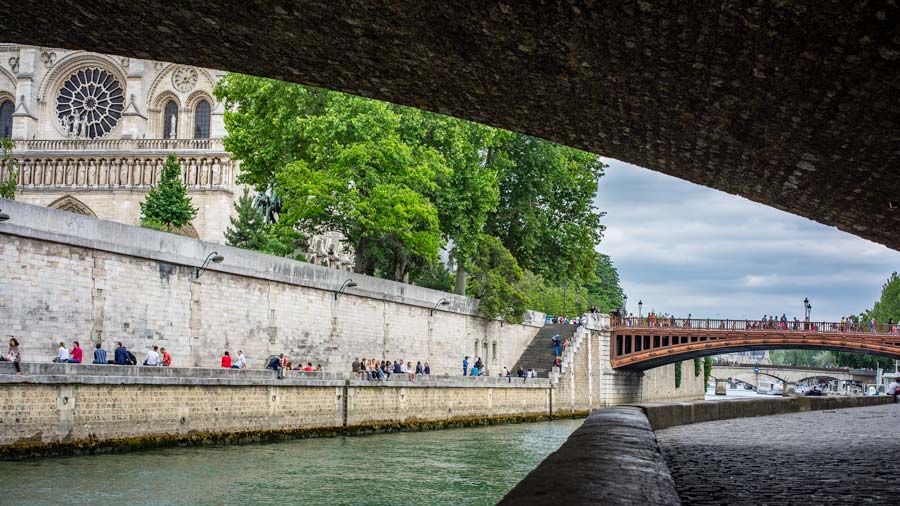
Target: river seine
x,y
474,466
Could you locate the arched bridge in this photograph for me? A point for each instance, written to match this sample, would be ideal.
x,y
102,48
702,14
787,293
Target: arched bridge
x,y
644,343
790,374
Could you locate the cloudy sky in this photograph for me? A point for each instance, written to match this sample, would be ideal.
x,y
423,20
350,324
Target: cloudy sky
x,y
683,248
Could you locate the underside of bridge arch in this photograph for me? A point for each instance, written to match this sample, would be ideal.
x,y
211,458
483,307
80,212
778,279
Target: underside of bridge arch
x,y
648,360
791,104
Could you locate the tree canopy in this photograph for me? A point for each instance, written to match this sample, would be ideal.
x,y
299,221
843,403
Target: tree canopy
x,y
402,185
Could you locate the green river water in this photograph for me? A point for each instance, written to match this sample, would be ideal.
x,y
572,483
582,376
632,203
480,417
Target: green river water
x,y
474,466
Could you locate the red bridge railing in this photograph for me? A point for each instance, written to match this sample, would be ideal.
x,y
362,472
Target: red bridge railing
x,y
885,329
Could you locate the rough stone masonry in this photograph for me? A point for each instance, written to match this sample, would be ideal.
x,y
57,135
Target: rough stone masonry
x,y
789,103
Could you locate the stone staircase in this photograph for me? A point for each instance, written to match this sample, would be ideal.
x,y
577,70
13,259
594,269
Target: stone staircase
x,y
539,353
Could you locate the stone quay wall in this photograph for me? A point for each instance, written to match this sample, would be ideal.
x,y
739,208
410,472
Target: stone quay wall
x,y
71,277
588,382
68,409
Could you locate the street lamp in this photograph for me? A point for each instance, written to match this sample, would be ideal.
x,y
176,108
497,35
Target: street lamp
x,y
625,304
3,216
442,302
347,284
640,308
214,257
807,308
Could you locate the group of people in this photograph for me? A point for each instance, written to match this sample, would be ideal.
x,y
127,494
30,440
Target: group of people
x,y
239,362
374,369
156,356
558,345
477,368
282,363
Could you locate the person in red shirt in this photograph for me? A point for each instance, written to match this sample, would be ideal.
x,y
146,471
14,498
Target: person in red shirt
x,y
167,358
226,360
308,367
75,355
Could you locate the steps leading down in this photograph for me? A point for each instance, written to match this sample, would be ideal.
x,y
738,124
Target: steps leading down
x,y
539,353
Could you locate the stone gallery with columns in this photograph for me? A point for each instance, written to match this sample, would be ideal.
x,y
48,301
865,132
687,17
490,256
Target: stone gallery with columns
x,y
92,131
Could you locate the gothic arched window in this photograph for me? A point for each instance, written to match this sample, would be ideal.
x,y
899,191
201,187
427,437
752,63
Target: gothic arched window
x,y
201,120
170,120
6,112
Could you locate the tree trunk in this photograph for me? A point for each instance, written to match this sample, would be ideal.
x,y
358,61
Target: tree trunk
x,y
460,277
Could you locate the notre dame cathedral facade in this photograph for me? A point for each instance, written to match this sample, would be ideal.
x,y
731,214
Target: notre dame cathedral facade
x,y
92,131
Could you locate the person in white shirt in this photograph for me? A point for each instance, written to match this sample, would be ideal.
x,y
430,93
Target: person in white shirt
x,y
893,388
240,362
152,357
62,355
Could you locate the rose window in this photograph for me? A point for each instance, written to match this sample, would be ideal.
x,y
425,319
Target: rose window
x,y
90,104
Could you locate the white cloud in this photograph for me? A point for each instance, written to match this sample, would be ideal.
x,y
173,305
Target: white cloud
x,y
683,248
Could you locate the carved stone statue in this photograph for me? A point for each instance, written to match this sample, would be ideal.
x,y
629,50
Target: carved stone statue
x,y
173,126
216,173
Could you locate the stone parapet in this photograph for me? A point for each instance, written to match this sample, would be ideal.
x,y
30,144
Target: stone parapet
x,y
670,414
612,459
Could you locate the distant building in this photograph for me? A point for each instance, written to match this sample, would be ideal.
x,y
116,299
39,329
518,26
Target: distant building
x,y
748,357
92,132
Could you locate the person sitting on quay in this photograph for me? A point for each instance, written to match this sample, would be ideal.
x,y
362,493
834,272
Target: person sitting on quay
x,y
308,368
273,363
480,366
531,373
504,373
62,354
426,370
410,371
558,364
75,356
419,369
14,355
520,373
99,354
240,362
152,357
120,356
893,389
166,357
355,367
226,361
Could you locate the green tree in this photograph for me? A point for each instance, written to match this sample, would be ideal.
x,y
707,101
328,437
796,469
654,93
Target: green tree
x,y
494,281
340,163
11,167
545,216
249,230
604,290
707,369
677,374
167,206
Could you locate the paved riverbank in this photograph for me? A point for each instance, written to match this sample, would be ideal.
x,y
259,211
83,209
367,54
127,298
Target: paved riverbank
x,y
844,456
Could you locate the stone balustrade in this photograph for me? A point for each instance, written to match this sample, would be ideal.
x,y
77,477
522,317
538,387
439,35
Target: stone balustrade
x,y
117,145
83,170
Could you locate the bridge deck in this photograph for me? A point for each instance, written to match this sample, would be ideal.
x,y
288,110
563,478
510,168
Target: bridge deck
x,y
644,343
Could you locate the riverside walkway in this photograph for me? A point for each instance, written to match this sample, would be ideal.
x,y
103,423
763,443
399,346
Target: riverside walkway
x,y
844,456
644,343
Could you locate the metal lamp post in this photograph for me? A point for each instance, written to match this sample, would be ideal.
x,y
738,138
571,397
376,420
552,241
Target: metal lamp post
x,y
640,309
442,302
625,304
807,309
347,284
213,257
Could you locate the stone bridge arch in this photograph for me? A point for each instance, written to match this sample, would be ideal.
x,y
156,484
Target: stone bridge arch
x,y
550,70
